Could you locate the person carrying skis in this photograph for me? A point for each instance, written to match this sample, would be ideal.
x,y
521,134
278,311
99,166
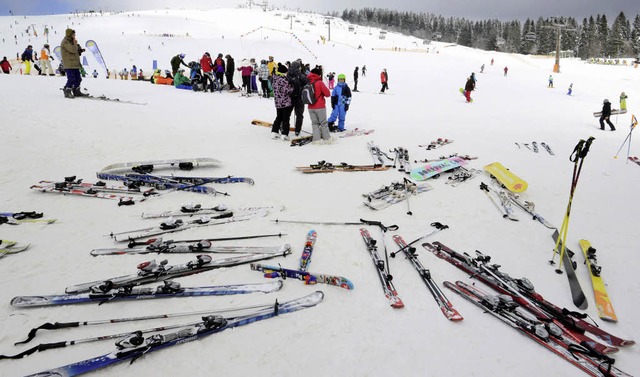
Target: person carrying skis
x,y
70,51
219,67
340,101
606,114
230,71
176,61
263,75
298,80
318,110
5,65
27,58
469,86
282,90
45,64
355,79
384,80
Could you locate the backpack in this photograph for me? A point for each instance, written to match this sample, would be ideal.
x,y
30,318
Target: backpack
x,y
309,94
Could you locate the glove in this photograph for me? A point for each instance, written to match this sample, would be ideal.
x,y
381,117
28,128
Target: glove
x,y
346,107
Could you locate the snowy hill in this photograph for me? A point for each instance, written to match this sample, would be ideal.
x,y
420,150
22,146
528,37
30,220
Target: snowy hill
x,y
352,333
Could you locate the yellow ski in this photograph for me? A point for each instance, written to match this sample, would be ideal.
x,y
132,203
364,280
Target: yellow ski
x,y
603,303
509,180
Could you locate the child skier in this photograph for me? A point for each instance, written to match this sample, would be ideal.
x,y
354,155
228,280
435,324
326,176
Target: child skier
x,y
623,101
340,101
550,81
570,89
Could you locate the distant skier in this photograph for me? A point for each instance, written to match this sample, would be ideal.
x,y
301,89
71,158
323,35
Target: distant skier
x,y
506,69
550,81
355,80
491,61
5,65
70,51
623,101
384,80
364,71
340,101
469,86
606,114
230,71
282,90
570,89
95,74
331,77
176,61
482,68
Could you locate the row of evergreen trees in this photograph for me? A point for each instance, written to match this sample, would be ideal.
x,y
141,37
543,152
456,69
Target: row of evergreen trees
x,y
593,38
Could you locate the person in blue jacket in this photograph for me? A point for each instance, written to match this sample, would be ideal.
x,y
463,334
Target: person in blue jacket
x,y
340,101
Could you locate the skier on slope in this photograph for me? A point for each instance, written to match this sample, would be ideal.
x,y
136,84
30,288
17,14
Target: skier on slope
x,y
318,111
70,51
298,80
5,65
340,101
506,69
469,86
550,81
606,114
384,80
282,90
355,79
176,61
623,101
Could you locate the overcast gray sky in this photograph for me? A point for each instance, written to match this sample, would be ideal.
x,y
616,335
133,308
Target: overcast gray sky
x,y
473,9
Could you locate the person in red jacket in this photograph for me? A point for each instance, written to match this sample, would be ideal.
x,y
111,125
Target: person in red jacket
x,y
207,68
384,78
5,65
318,111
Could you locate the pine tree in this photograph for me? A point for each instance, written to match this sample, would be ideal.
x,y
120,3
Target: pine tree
x,y
635,36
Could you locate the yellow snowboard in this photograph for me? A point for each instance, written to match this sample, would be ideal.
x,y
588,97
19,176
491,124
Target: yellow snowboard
x,y
262,123
509,180
603,303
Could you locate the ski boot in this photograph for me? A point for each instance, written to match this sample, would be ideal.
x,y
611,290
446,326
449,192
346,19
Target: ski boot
x,y
78,93
68,93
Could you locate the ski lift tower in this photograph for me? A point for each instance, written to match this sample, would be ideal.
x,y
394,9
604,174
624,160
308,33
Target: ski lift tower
x,y
328,22
556,22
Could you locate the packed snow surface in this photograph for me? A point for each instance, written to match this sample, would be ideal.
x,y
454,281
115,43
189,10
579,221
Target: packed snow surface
x,y
352,333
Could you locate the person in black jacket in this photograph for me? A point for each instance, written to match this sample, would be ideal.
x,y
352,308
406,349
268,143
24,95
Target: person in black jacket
x,y
355,80
298,80
230,70
469,86
606,113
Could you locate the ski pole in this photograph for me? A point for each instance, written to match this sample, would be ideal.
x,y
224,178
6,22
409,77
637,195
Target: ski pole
x,y
439,227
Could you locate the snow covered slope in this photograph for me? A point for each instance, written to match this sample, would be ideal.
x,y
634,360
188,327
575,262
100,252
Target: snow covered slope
x,y
352,333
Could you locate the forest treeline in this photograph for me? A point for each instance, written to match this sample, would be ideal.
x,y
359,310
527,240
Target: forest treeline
x,y
590,38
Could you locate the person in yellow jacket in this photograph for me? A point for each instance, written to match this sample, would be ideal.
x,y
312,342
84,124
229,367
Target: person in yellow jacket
x,y
623,101
45,64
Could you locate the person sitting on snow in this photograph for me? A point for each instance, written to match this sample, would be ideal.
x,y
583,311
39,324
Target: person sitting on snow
x,y
180,81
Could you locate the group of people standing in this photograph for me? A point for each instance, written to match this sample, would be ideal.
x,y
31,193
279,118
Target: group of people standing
x,y
30,58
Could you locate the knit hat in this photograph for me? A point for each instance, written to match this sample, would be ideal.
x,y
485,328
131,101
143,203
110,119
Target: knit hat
x,y
282,68
317,71
69,32
342,76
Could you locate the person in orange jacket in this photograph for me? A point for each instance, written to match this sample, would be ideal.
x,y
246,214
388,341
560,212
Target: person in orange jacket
x,y
45,63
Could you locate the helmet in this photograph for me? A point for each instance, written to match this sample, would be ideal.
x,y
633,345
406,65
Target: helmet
x,y
605,101
182,56
167,72
342,76
263,61
46,45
